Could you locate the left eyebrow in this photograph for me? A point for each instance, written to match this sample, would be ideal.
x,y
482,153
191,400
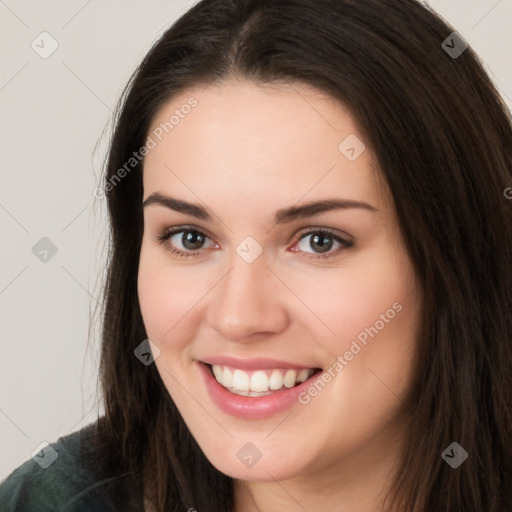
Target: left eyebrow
x,y
318,207
282,216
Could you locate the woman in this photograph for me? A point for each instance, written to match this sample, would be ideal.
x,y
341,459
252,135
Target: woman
x,y
308,292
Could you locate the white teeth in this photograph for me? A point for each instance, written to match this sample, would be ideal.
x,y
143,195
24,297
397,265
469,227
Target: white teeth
x,y
290,378
303,375
218,372
276,380
241,380
227,377
259,382
248,393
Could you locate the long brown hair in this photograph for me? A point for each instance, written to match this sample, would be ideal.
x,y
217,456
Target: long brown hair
x,y
442,137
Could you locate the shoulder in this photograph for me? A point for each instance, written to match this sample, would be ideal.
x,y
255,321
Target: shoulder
x,y
61,476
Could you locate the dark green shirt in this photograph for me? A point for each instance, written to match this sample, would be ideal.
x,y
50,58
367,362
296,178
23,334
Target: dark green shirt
x,y
60,478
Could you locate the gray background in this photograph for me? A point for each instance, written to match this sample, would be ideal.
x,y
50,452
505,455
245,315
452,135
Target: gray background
x,y
53,113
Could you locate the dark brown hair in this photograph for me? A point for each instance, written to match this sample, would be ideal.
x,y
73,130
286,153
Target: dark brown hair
x,y
442,137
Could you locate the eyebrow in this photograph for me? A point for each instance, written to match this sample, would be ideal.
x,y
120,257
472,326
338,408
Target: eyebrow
x,y
281,216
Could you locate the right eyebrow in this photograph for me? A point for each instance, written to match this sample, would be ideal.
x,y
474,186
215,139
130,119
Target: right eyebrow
x,y
282,216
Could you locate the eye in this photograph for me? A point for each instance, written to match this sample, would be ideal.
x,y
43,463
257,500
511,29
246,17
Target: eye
x,y
322,240
192,241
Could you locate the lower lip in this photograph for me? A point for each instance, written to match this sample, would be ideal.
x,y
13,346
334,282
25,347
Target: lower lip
x,y
251,407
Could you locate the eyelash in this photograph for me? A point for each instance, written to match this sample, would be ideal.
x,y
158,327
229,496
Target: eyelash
x,y
168,233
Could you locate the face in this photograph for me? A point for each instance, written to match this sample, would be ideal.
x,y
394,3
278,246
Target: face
x,y
306,315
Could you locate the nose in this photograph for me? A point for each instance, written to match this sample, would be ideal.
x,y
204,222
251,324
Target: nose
x,y
248,303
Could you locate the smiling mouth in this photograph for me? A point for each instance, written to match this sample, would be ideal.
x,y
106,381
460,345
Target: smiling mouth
x,y
260,382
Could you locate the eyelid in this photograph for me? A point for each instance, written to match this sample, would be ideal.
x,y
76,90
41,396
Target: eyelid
x,y
344,239
309,229
334,232
346,242
168,232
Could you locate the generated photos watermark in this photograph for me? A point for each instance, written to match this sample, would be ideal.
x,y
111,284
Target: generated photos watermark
x,y
342,361
454,455
152,141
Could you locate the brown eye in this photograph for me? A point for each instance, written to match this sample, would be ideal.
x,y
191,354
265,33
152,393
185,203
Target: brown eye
x,y
191,241
321,242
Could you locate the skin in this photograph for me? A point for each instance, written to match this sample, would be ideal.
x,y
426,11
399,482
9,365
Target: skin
x,y
244,152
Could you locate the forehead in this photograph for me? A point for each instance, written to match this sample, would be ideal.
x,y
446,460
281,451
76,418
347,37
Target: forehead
x,y
246,143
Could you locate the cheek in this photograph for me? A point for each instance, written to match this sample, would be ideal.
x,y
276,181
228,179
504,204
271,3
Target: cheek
x,y
366,303
374,312
354,299
165,298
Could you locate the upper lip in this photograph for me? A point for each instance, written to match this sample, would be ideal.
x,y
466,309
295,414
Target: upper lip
x,y
257,363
